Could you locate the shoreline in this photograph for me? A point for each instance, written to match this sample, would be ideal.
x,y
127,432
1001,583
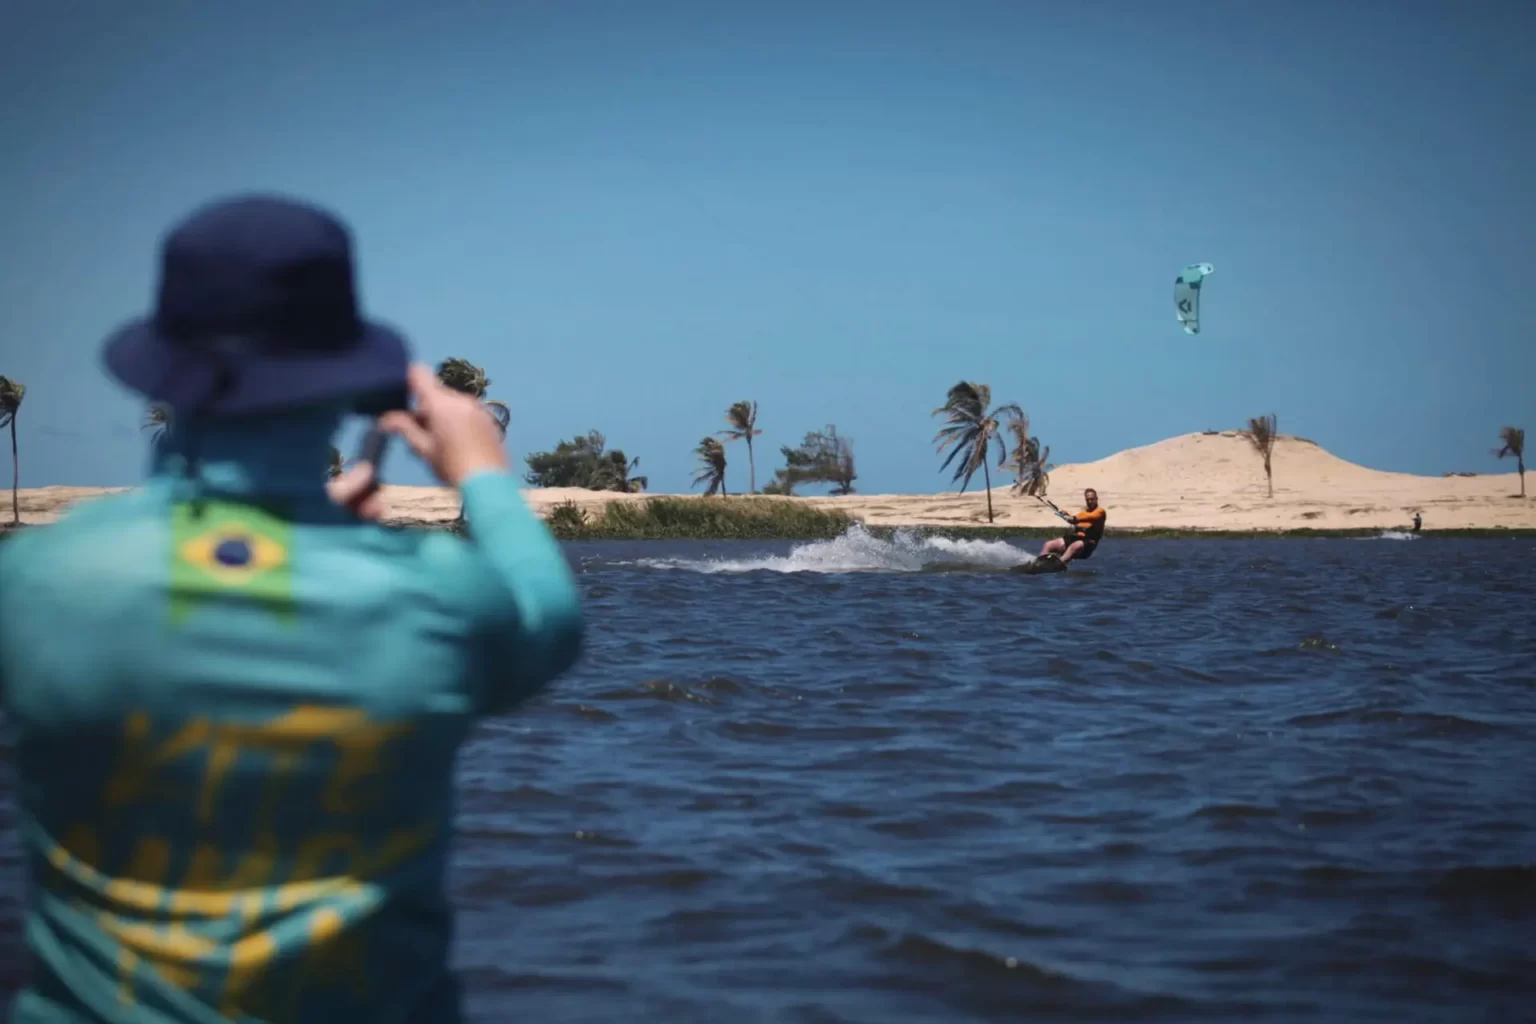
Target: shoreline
x,y
755,529
1205,485
8,530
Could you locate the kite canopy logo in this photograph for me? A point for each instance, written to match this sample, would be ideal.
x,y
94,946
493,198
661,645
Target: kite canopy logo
x,y
1186,295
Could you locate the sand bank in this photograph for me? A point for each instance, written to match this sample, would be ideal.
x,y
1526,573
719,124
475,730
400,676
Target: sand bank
x,y
1194,482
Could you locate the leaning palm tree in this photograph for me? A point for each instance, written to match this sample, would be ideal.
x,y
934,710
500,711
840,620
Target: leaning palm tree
x,y
711,472
1029,462
1017,457
1514,444
970,428
158,419
465,377
1037,475
635,483
1261,434
11,394
742,417
613,473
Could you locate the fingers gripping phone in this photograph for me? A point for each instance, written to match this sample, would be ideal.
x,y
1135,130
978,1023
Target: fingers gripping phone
x,y
374,444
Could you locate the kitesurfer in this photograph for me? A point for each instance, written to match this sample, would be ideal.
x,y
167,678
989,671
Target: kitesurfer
x,y
1083,538
1418,522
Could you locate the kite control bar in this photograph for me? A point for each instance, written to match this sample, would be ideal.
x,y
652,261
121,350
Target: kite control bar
x,y
1058,511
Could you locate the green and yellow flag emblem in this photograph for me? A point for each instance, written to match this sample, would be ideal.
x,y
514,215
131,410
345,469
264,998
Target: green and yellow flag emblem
x,y
226,549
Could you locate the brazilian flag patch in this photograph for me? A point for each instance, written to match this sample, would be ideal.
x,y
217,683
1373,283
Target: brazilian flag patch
x,y
222,550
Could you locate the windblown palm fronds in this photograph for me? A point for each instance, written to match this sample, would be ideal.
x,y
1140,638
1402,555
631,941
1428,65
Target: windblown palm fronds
x,y
1513,439
465,377
1262,433
970,428
711,454
742,417
1029,461
159,420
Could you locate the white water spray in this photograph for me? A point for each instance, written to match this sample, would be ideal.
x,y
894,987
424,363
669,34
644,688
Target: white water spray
x,y
860,551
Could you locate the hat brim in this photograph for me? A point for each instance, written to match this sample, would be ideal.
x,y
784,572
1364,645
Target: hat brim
x,y
372,372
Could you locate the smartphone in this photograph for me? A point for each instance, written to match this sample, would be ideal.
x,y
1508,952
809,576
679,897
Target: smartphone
x,y
375,443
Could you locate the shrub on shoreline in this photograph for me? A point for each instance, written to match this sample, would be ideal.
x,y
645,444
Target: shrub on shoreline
x,y
699,519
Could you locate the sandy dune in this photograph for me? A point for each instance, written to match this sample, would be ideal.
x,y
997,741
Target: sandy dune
x,y
1197,481
1216,482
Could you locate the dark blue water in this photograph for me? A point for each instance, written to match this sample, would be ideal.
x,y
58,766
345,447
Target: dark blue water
x,y
1184,781
1226,780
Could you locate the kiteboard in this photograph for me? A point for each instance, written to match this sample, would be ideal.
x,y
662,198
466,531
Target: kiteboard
x,y
1045,563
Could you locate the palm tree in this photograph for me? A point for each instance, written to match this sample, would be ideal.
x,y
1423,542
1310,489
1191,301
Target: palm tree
x,y
158,419
613,473
970,428
1037,475
1262,434
1514,444
11,394
1029,462
465,377
711,455
742,417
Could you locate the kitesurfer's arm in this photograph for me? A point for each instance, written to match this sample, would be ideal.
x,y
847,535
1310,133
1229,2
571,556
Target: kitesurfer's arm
x,y
536,635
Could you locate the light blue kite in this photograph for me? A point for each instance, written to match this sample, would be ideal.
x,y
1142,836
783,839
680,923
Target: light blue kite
x,y
1186,295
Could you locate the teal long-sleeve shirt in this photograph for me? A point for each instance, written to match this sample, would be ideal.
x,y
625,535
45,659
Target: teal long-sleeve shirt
x,y
236,712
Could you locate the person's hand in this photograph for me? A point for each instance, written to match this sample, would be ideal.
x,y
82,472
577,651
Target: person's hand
x,y
357,490
449,431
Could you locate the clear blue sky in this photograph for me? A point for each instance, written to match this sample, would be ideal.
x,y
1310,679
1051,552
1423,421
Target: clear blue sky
x,y
633,214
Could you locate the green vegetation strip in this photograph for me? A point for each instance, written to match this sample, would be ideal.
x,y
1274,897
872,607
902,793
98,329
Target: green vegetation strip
x,y
699,519
750,519
768,519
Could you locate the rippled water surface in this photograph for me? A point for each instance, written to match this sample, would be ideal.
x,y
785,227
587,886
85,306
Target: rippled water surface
x,y
859,781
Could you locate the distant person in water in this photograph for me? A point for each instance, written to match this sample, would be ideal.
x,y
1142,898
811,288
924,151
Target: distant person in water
x,y
1418,521
1087,530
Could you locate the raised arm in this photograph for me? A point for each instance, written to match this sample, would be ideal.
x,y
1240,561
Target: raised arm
x,y
537,634
528,625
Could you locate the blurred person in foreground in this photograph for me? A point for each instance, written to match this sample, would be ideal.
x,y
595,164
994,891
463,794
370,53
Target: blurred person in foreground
x,y
236,702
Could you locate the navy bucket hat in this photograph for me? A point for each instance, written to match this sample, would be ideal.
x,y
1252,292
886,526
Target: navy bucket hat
x,y
256,312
